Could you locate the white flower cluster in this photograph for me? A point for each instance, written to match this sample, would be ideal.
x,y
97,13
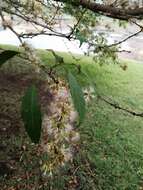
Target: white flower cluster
x,y
89,93
32,56
33,6
59,135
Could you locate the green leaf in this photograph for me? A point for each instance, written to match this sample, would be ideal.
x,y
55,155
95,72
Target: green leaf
x,y
31,114
77,96
80,37
58,58
81,40
6,55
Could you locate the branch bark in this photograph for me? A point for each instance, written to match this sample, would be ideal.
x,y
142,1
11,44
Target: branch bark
x,y
107,10
117,106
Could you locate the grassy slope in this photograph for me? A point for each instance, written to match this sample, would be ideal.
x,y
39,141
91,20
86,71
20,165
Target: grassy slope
x,y
116,138
111,139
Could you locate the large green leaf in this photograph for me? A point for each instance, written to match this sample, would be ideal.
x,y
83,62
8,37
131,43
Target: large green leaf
x,y
6,55
31,114
77,96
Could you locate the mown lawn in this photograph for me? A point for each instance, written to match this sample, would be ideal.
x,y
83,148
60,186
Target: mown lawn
x,y
111,150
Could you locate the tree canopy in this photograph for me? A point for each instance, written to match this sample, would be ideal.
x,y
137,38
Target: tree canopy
x,y
86,16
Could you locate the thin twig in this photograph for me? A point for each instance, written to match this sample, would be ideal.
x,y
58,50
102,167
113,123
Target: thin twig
x,y
117,106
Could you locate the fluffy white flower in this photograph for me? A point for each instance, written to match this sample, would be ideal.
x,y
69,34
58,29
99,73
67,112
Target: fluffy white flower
x,y
89,93
47,124
73,116
58,125
75,137
68,128
67,153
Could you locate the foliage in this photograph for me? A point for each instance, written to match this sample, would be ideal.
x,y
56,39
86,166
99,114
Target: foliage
x,y
59,137
110,154
57,127
31,114
77,96
6,55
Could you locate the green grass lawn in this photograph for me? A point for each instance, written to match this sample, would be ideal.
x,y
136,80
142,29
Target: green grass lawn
x,y
111,151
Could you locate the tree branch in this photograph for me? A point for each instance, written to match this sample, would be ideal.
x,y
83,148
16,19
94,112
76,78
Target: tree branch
x,y
107,10
117,106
